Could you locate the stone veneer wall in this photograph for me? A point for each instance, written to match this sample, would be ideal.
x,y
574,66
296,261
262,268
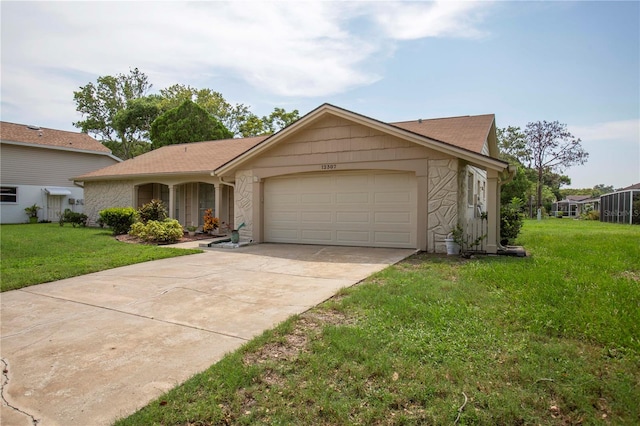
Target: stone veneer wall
x,y
244,203
443,202
101,195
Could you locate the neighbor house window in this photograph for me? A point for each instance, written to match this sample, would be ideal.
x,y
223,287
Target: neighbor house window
x,y
9,194
470,193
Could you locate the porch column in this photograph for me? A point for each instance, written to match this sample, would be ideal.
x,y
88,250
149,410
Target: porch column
x,y
216,197
257,214
493,211
172,201
423,211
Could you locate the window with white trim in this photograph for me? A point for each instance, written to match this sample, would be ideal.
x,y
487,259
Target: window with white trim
x,y
8,194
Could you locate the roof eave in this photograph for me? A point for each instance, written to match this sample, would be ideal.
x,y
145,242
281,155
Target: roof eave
x,y
60,148
200,173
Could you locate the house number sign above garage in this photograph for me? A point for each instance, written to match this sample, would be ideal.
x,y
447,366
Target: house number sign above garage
x,y
329,167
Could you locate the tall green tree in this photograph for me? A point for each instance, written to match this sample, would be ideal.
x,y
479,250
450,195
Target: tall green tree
x,y
186,123
117,111
138,114
100,103
512,144
552,148
268,124
232,116
601,189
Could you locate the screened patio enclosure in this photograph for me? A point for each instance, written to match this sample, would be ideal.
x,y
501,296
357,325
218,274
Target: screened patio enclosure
x,y
622,206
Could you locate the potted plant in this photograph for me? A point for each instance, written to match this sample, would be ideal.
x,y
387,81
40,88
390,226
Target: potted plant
x,y
192,230
454,240
32,212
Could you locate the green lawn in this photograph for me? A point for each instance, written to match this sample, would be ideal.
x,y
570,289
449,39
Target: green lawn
x,y
552,339
34,254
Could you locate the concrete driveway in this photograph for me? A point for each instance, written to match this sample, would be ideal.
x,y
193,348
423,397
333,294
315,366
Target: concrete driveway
x,y
91,349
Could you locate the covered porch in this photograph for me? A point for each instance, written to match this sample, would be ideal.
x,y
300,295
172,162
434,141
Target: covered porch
x,y
188,201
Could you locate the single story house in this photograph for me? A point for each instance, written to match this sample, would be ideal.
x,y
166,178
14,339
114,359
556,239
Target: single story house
x,y
37,165
333,177
571,205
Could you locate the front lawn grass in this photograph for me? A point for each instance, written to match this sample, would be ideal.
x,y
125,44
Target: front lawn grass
x,y
552,339
34,254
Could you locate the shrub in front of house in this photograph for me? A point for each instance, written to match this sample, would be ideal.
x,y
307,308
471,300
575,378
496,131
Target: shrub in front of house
x,y
119,219
74,218
511,220
154,231
153,210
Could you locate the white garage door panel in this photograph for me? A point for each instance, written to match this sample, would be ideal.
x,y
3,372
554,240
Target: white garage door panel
x,y
392,197
352,217
322,217
355,238
393,237
317,235
393,218
352,198
371,208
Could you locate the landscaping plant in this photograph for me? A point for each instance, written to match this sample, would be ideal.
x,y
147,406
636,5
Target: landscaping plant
x,y
74,218
153,210
511,220
211,223
154,231
119,219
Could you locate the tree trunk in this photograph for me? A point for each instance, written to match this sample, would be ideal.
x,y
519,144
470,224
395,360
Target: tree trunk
x,y
539,188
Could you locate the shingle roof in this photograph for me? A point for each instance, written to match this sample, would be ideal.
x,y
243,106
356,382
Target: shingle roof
x,y
195,157
577,197
634,186
49,138
468,132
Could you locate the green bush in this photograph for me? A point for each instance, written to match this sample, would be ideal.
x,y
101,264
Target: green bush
x,y
511,220
74,218
166,231
119,219
153,210
593,215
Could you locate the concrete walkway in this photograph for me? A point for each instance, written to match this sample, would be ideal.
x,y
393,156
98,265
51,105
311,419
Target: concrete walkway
x,y
91,349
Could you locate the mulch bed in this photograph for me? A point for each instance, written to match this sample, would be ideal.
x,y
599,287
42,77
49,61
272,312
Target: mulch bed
x,y
126,238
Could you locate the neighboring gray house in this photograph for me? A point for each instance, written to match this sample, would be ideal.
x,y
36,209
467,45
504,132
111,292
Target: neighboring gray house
x,y
37,165
334,177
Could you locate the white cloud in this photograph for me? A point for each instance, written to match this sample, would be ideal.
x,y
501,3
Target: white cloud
x,y
623,130
302,49
408,21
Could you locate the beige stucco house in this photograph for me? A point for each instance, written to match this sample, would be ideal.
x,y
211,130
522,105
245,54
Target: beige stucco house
x,y
334,177
36,166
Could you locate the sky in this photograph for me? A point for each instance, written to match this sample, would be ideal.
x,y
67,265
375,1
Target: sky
x,y
573,62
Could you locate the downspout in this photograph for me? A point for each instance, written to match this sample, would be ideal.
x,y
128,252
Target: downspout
x,y
223,182
512,169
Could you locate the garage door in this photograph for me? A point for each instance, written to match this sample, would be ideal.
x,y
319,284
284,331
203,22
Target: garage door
x,y
373,209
